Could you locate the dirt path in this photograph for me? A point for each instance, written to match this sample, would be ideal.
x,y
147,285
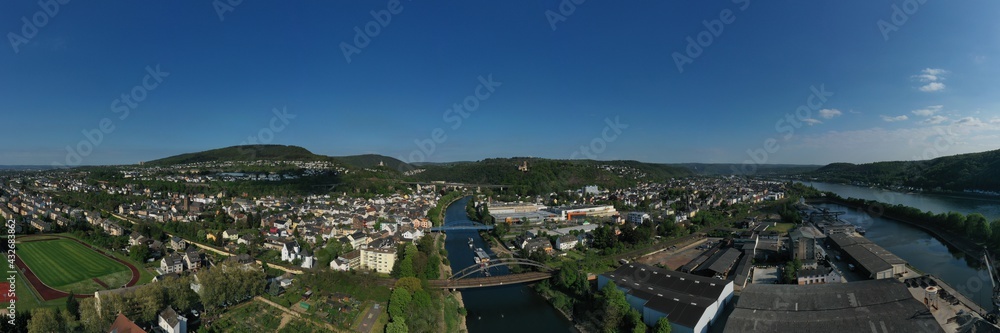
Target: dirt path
x,y
285,318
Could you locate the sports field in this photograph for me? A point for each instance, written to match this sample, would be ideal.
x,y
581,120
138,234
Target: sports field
x,y
64,263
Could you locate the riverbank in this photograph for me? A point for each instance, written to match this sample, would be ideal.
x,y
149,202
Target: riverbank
x,y
965,245
446,272
578,327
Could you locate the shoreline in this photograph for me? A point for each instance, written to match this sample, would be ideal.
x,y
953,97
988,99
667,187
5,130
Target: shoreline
x,y
446,269
577,327
966,246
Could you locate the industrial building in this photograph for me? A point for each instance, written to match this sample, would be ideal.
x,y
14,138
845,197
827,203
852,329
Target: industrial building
x,y
571,212
882,306
870,259
690,302
804,240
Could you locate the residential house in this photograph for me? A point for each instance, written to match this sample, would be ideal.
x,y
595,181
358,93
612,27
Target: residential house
x,y
538,244
245,239
193,260
177,243
566,242
123,325
340,264
40,225
173,263
172,322
136,239
230,234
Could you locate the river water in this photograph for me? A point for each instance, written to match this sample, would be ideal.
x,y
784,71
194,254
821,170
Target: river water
x,y
989,206
921,249
514,308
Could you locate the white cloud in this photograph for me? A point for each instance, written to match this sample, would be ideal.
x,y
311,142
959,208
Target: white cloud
x,y
895,119
934,120
933,78
812,121
979,59
928,111
881,144
932,87
829,113
970,121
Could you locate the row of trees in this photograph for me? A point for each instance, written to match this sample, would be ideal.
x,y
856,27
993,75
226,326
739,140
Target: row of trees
x,y
141,305
619,316
421,261
973,226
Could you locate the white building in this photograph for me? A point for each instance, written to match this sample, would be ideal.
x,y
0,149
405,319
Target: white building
x,y
637,217
378,259
172,322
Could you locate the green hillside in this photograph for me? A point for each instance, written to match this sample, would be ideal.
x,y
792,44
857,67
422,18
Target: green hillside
x,y
244,153
545,176
373,160
960,172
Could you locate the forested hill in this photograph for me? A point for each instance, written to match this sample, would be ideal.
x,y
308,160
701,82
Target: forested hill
x,y
244,153
976,171
545,176
373,160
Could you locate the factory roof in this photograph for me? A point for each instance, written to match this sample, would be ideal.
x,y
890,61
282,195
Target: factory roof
x,y
683,297
866,306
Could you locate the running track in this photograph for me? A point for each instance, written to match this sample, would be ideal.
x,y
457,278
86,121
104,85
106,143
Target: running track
x,y
47,293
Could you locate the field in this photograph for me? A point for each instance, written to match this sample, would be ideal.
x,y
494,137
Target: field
x,y
67,265
783,228
255,316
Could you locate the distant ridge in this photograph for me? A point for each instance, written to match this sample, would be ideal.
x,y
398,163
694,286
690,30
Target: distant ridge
x,y
975,171
372,161
244,153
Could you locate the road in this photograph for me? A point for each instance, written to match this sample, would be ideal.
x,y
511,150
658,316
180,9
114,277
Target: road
x,y
369,318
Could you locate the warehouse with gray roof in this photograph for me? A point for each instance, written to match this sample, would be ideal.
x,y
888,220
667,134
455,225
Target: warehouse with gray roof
x,y
878,306
690,302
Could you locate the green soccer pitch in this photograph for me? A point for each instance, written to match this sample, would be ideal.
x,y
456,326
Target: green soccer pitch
x,y
63,262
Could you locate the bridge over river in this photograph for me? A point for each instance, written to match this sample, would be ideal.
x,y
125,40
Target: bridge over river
x,y
465,278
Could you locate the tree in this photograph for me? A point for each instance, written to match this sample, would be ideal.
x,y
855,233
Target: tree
x,y
956,221
634,323
615,307
399,300
73,306
411,284
139,253
662,326
396,326
46,320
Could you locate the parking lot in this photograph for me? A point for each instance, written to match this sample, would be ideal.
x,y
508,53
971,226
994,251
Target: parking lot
x,y
765,275
675,257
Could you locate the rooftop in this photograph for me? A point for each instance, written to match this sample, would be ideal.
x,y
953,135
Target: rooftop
x,y
866,306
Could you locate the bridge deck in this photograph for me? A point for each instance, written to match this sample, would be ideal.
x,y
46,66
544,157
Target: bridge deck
x,y
490,281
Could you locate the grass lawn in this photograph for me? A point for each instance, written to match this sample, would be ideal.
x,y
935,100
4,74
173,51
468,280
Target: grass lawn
x,y
27,299
258,317
146,275
63,263
782,227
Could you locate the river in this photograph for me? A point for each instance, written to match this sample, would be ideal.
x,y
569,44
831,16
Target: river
x,y
514,308
922,250
963,203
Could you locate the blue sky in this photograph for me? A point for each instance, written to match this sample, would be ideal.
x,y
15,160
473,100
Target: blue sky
x,y
557,89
